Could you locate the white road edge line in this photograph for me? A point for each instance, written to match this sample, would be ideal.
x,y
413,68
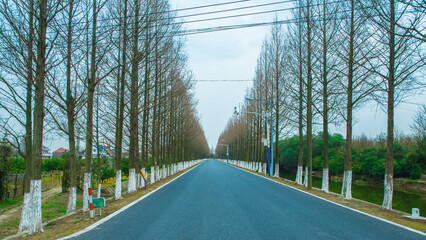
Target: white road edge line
x,y
384,220
124,208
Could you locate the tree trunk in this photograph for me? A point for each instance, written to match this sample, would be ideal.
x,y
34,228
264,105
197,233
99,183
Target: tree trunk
x,y
27,203
299,174
388,184
325,176
98,148
134,103
35,223
89,130
309,103
72,200
347,176
119,141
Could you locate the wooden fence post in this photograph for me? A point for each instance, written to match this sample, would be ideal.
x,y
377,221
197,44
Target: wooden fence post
x,y
16,186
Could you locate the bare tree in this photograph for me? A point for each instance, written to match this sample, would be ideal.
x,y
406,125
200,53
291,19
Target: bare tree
x,y
354,53
17,38
396,72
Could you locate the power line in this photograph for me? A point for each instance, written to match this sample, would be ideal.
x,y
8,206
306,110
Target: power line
x,y
185,32
237,9
207,6
414,103
184,9
223,80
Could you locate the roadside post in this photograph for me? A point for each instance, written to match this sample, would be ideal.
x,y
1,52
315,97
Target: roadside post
x,y
95,203
90,203
144,178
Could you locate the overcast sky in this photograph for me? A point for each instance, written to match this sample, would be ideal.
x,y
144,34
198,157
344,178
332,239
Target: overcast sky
x,y
232,55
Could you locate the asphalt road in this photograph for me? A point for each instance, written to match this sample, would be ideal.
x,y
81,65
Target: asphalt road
x,y
217,201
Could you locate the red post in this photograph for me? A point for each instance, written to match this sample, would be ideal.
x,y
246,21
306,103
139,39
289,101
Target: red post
x,y
90,203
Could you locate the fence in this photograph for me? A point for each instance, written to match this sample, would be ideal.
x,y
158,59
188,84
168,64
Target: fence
x,y
15,183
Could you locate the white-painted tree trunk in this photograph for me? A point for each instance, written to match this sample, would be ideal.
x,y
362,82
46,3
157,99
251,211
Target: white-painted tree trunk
x,y
26,212
299,175
35,223
152,175
164,171
157,173
277,170
347,184
99,189
132,181
305,181
86,187
72,200
138,182
387,199
118,184
264,168
325,180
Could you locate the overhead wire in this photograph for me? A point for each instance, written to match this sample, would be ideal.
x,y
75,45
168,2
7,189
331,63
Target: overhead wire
x,y
184,9
194,31
88,28
223,80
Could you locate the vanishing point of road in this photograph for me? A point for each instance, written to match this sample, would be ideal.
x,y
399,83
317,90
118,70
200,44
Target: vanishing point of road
x,y
218,201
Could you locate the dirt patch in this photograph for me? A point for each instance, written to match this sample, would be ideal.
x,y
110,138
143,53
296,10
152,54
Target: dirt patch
x,y
405,185
68,225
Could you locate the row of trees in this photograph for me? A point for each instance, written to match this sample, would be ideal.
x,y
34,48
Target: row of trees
x,y
332,58
113,71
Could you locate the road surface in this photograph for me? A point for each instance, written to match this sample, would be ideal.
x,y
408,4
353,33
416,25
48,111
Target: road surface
x,y
218,201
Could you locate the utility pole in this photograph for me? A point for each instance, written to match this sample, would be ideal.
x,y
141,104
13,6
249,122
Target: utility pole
x,y
227,151
271,160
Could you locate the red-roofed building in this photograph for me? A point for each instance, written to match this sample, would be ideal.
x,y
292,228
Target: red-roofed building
x,y
58,153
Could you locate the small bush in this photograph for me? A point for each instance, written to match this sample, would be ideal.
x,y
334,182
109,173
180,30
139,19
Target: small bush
x,y
5,153
53,164
107,173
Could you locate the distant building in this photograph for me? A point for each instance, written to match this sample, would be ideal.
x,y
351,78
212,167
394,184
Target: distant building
x,y
46,153
104,152
58,153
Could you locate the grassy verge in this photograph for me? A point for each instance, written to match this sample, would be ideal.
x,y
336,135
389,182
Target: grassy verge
x,y
10,203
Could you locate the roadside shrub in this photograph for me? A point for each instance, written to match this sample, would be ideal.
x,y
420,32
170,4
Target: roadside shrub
x,y
415,172
125,166
66,176
5,153
52,164
17,165
107,173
